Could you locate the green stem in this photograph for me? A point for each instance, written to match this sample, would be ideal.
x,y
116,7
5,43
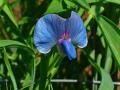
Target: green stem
x,y
10,70
32,75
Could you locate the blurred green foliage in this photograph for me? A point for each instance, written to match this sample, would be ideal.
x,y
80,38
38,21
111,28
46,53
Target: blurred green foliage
x,y
26,69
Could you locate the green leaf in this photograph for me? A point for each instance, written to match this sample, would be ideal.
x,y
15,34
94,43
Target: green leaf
x,y
29,80
48,67
92,1
1,3
83,3
96,10
113,1
5,43
55,7
10,70
70,4
111,34
24,20
9,13
106,83
104,1
108,62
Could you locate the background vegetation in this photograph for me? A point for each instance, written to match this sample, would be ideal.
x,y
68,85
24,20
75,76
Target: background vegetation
x,y
23,68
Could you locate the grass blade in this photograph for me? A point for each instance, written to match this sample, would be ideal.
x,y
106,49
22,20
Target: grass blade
x,y
10,70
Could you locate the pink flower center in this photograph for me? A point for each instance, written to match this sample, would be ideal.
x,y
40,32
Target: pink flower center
x,y
65,36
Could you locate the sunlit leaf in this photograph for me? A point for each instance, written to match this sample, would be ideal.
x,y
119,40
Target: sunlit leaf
x,y
112,36
1,3
5,43
108,63
92,1
83,3
113,1
106,83
96,10
104,1
70,4
9,13
55,7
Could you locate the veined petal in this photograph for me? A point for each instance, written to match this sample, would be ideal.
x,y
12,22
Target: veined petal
x,y
47,31
68,49
76,29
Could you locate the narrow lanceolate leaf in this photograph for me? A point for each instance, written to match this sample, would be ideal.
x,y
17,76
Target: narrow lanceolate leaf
x,y
5,43
93,1
83,3
114,1
1,3
10,70
55,7
111,34
104,1
106,83
9,13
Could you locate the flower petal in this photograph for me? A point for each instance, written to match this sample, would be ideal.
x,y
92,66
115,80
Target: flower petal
x,y
47,30
76,29
68,49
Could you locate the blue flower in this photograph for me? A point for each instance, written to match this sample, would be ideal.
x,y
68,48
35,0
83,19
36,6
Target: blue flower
x,y
53,30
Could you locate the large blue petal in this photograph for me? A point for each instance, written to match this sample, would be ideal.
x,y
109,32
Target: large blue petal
x,y
47,31
76,29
